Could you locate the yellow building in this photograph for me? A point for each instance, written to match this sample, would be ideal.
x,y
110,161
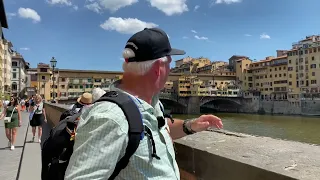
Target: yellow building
x,y
268,77
3,24
304,69
242,78
210,68
190,65
219,85
179,62
233,61
44,80
69,83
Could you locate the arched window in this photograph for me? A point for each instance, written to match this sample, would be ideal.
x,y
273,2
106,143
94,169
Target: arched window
x,y
14,86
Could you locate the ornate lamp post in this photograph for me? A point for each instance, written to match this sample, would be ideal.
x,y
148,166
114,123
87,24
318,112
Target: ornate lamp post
x,y
53,63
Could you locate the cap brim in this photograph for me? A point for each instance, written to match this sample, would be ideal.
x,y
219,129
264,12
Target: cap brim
x,y
176,52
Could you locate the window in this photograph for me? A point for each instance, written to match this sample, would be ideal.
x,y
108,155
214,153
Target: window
x,y
313,66
43,77
14,75
14,86
43,70
14,64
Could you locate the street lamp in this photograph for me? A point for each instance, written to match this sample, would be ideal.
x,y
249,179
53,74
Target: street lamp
x,y
53,65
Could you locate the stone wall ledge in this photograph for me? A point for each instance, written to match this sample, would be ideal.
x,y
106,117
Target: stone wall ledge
x,y
227,155
224,155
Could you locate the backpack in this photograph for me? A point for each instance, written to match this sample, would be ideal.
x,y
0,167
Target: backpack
x,y
58,147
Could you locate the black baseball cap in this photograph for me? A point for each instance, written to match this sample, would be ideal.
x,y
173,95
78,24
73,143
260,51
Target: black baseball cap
x,y
149,44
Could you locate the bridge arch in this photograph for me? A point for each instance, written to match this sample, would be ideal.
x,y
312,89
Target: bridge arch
x,y
221,101
170,102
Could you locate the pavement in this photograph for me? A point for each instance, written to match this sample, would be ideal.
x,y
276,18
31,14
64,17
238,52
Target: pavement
x,y
23,163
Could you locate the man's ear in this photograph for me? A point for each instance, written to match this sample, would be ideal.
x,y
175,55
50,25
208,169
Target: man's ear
x,y
156,68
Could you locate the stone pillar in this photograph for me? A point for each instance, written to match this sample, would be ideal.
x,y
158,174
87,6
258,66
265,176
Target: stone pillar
x,y
193,106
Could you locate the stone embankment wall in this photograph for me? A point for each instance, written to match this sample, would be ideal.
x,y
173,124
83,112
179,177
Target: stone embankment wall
x,y
305,107
232,156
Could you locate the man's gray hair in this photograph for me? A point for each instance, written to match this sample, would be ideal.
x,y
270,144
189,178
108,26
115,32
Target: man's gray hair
x,y
139,68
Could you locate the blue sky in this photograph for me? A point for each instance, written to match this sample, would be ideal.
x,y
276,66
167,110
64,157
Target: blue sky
x,y
91,34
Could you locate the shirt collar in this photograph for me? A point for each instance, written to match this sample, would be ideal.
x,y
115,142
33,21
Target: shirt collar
x,y
115,87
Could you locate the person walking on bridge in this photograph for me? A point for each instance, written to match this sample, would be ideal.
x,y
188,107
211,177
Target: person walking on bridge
x,y
38,116
12,110
102,132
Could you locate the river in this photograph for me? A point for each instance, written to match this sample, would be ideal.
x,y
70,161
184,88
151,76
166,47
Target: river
x,y
296,128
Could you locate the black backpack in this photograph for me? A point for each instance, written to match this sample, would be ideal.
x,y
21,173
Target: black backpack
x,y
58,148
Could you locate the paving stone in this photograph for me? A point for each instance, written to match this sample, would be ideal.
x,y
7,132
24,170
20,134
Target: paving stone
x,y
10,160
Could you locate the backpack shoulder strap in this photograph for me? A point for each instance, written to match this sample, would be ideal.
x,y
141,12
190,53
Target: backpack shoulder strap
x,y
136,128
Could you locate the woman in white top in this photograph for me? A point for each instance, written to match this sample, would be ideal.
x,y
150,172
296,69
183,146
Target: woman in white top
x,y
38,117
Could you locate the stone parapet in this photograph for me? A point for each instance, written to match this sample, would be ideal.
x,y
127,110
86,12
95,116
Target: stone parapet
x,y
226,155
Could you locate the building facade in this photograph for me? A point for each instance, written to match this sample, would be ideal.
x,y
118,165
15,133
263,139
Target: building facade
x,y
6,67
68,84
304,69
19,78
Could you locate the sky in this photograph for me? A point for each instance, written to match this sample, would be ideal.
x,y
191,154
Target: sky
x,y
91,34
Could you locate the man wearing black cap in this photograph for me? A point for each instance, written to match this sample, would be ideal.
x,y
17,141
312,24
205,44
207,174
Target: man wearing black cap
x,y
102,135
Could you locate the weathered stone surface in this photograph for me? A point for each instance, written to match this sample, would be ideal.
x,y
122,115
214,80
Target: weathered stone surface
x,y
231,155
10,160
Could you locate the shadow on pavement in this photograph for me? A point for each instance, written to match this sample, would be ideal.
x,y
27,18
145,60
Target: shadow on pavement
x,y
46,128
8,148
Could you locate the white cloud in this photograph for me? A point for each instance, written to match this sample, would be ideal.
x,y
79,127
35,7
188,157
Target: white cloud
x,y
25,49
111,5
63,2
201,37
95,7
170,7
196,7
10,15
264,36
185,37
28,13
126,25
248,35
194,31
226,1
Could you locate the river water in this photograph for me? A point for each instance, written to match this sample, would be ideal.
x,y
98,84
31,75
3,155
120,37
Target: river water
x,y
296,128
